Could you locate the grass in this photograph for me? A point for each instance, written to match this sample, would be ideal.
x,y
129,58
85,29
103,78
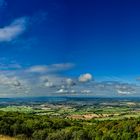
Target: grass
x,y
22,109
7,138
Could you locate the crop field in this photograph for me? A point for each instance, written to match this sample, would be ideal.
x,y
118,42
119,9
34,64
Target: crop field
x,y
93,118
99,110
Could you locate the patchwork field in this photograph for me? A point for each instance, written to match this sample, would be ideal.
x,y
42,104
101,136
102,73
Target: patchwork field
x,y
99,110
72,119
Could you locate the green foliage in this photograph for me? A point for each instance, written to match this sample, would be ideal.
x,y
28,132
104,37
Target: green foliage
x,y
35,127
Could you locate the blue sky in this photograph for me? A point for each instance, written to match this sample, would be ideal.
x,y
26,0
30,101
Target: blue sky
x,y
48,46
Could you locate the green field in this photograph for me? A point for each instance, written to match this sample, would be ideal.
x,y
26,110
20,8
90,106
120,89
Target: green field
x,y
71,121
101,112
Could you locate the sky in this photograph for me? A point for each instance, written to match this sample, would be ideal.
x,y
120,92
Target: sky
x,y
69,47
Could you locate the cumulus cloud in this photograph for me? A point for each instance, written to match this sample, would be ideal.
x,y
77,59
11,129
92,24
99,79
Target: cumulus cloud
x,y
50,68
86,91
125,89
117,87
13,84
16,28
62,91
6,80
50,81
71,86
124,92
48,84
70,82
46,81
10,81
16,83
110,88
85,77
72,91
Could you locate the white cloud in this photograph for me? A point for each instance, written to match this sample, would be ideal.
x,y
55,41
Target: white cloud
x,y
86,91
62,91
48,84
13,85
70,82
38,69
45,81
50,68
85,77
37,83
16,28
116,87
50,81
125,89
10,81
72,91
124,92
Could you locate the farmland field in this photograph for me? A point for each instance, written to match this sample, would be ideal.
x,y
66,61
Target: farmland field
x,y
90,108
60,118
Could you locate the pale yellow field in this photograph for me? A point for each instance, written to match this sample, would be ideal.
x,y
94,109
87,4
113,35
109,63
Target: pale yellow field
x,y
6,138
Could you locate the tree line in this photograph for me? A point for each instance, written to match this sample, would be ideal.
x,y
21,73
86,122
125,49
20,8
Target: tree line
x,y
36,127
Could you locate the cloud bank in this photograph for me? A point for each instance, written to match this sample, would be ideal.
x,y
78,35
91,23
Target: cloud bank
x,y
50,68
45,80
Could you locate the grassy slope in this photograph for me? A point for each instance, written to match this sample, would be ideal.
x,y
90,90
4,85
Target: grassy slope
x,y
6,138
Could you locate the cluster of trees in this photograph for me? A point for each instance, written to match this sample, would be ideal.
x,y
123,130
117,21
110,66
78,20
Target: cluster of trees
x,y
35,127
